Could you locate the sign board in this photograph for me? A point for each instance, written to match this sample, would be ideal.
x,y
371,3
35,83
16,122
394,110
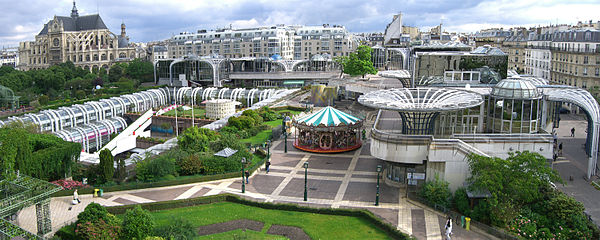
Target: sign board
x,y
419,176
84,181
412,182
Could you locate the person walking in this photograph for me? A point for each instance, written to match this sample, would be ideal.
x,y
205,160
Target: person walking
x,y
247,173
573,132
448,228
267,165
76,197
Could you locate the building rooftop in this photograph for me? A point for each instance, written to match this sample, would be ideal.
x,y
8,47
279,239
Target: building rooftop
x,y
515,88
421,99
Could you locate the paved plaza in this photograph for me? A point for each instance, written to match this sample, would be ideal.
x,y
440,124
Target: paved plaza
x,y
346,180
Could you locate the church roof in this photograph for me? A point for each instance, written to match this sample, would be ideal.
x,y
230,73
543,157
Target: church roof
x,y
73,24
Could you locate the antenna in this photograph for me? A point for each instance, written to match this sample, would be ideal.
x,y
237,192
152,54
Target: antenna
x,y
97,7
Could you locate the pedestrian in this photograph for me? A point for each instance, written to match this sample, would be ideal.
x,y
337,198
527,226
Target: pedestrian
x,y
76,197
573,132
560,149
448,228
247,176
267,165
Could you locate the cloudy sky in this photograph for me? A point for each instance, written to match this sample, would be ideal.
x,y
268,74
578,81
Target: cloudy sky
x,y
149,20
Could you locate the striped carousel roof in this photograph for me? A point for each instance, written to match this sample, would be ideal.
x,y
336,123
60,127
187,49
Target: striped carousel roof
x,y
329,116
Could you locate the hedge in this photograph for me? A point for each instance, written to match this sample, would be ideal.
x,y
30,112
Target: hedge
x,y
361,213
140,185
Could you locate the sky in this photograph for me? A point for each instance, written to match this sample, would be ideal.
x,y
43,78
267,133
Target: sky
x,y
150,20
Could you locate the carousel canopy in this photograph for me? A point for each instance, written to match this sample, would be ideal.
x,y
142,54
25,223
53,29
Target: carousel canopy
x,y
329,117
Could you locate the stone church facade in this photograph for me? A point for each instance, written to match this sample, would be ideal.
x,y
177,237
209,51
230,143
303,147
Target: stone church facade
x,y
83,40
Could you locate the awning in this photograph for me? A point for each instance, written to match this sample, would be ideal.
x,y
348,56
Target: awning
x,y
227,152
297,82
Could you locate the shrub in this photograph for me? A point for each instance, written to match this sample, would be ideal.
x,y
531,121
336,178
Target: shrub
x,y
436,192
156,168
461,201
196,139
92,213
137,224
190,165
177,229
227,140
100,230
69,184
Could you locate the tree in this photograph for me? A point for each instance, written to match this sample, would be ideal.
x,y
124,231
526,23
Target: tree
x,y
43,100
115,73
196,139
80,94
359,62
512,182
107,165
137,224
140,70
437,192
177,229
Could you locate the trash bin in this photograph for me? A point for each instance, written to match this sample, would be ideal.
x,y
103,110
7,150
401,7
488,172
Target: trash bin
x,y
462,221
101,192
95,192
468,225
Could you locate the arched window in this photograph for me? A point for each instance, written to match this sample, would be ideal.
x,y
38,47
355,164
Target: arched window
x,y
95,57
122,55
87,58
112,57
132,55
103,58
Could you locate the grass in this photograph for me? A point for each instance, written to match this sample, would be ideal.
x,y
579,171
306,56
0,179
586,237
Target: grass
x,y
198,113
239,234
264,135
317,226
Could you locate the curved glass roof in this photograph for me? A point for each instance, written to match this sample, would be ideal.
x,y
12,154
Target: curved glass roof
x,y
421,99
329,117
515,88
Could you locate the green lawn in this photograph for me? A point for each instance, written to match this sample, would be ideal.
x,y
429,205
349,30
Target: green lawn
x,y
198,113
262,136
317,226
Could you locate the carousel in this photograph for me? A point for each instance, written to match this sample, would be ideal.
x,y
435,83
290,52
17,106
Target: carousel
x,y
328,131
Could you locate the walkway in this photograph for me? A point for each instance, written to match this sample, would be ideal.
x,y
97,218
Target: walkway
x,y
346,180
574,162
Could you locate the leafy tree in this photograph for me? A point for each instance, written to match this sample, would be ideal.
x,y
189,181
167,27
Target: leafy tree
x,y
140,70
107,165
227,140
92,213
512,182
359,62
115,73
190,165
99,230
80,94
137,224
196,139
43,100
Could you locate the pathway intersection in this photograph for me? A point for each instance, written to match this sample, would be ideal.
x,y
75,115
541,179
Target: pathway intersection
x,y
345,180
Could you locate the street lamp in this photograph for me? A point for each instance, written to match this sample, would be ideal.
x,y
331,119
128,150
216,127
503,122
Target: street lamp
x,y
305,177
377,194
243,182
285,142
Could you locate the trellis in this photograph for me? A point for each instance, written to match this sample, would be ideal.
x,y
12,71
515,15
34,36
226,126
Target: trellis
x,y
20,193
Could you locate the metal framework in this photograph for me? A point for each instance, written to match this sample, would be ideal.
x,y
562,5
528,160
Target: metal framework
x,y
586,101
8,96
21,192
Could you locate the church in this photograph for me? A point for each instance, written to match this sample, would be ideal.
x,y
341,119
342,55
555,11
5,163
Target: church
x,y
83,40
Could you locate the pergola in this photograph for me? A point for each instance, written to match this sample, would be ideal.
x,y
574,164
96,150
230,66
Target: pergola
x,y
20,193
8,96
419,107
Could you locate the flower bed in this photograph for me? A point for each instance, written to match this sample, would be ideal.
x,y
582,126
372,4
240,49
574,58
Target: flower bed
x,y
70,184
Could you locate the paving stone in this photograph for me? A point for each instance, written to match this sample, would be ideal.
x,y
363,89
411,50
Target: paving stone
x,y
200,193
124,201
329,163
368,164
418,223
321,189
321,174
162,195
265,184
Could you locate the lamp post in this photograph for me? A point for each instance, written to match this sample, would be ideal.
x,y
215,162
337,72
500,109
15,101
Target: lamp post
x,y
285,142
305,181
377,194
243,181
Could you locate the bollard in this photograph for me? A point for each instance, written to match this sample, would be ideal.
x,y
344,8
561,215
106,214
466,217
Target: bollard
x,y
95,192
468,227
101,192
462,221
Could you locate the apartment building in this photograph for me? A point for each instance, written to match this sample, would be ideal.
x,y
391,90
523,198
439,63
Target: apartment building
x,y
278,42
575,58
